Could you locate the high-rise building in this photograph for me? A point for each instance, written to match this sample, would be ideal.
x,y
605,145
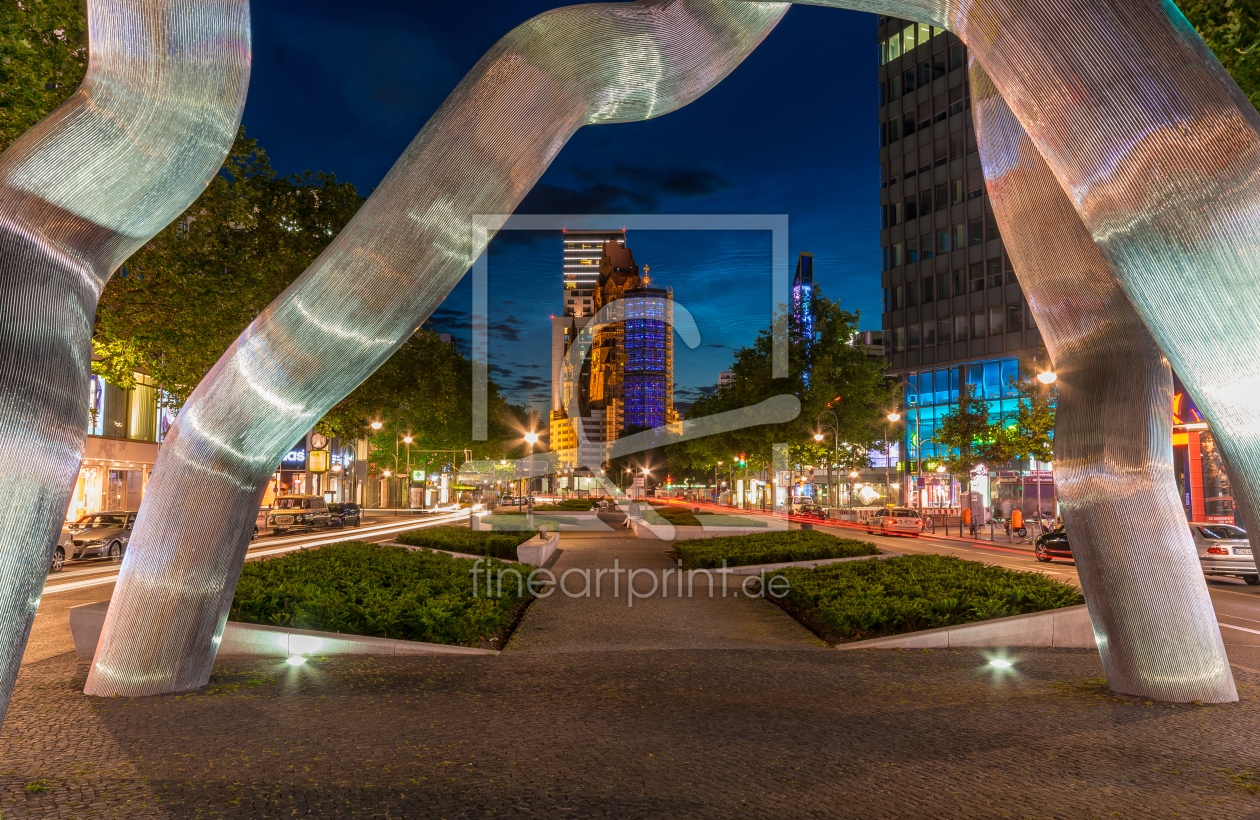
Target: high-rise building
x,y
726,378
953,309
803,295
582,252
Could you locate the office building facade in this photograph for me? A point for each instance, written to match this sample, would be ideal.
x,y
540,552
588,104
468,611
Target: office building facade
x,y
953,310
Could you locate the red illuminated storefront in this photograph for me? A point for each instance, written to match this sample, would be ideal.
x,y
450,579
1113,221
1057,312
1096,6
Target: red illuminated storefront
x,y
1201,478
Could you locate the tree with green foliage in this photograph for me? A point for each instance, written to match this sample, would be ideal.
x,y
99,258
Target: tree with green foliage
x,y
182,299
424,391
968,437
826,373
1231,29
43,58
1029,431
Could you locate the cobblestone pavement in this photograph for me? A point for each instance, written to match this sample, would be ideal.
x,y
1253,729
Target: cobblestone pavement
x,y
662,620
629,734
673,708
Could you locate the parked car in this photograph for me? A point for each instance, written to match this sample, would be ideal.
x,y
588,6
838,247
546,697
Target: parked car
x,y
1224,550
95,535
1053,544
810,510
895,520
293,511
345,515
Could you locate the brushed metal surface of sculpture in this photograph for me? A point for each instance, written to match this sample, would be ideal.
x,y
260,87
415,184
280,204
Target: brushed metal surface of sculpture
x,y
1148,601
80,192
386,272
1154,144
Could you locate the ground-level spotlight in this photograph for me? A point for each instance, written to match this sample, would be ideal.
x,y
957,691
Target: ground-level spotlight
x,y
998,662
296,660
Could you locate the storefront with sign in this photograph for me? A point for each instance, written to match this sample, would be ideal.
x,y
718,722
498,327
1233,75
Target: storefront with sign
x,y
125,428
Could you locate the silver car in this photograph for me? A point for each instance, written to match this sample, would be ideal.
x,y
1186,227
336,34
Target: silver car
x,y
96,535
1224,550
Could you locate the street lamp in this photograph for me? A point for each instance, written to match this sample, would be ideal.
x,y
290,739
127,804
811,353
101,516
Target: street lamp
x,y
376,425
530,439
834,427
1047,377
893,417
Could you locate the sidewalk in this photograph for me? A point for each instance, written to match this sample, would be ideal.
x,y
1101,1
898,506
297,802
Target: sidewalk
x,y
560,623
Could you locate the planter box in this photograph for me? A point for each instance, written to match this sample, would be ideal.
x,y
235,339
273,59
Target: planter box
x,y
757,569
642,529
260,641
1068,627
538,550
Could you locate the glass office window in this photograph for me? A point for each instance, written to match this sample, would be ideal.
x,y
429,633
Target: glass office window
x,y
960,327
942,386
946,327
1010,373
1014,317
978,323
992,380
996,323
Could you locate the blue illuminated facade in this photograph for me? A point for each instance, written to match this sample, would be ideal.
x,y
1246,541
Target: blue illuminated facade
x,y
648,345
803,296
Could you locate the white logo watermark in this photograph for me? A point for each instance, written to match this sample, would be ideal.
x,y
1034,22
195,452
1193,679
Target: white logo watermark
x,y
590,582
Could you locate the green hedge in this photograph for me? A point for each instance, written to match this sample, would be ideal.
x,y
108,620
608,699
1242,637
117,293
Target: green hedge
x,y
681,516
769,548
863,599
374,590
462,539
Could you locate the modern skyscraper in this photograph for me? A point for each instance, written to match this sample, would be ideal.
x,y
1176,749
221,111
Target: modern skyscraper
x,y
582,251
803,294
953,310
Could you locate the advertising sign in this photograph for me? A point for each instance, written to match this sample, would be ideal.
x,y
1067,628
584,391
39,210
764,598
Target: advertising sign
x,y
318,461
417,475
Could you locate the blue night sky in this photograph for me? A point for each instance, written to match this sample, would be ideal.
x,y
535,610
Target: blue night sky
x,y
792,131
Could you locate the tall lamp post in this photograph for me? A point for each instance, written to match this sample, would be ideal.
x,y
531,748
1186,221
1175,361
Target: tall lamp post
x,y
834,427
918,435
530,439
892,417
717,493
1047,378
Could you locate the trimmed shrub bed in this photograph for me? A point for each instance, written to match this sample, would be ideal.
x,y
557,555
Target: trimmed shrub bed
x,y
869,599
461,539
768,548
378,591
682,517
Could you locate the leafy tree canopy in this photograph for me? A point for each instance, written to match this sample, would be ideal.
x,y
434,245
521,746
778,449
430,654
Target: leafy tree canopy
x,y
1231,28
827,374
184,297
425,391
43,57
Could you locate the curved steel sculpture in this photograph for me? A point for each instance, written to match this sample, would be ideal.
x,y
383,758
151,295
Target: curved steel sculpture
x,y
79,193
392,265
1152,616
1169,200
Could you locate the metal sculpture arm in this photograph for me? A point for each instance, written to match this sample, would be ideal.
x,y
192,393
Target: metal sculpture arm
x,y
1139,570
383,275
1159,152
80,192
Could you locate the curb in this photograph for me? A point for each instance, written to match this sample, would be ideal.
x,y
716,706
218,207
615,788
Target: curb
x,y
1068,627
260,641
757,569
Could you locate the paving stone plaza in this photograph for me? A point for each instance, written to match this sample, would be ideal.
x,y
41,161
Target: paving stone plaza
x,y
672,708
